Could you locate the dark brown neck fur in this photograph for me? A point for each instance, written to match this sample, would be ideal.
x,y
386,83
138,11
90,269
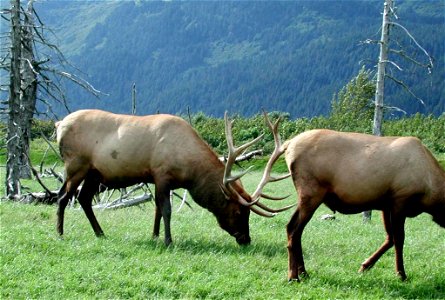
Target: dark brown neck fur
x,y
205,188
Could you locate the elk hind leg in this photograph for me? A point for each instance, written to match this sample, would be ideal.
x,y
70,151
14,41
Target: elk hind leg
x,y
89,189
66,192
387,244
398,224
62,202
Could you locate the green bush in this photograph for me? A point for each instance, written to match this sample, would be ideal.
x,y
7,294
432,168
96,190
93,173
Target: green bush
x,y
45,127
352,108
430,129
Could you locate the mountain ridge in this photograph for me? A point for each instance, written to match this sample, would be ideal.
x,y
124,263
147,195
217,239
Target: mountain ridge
x,y
240,56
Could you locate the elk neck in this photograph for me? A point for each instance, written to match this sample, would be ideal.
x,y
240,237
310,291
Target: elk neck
x,y
205,186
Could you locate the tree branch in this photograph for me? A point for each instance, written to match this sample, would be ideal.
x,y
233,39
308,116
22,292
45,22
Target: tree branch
x,y
430,65
409,58
405,87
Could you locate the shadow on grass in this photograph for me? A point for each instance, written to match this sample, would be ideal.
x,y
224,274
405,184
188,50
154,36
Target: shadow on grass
x,y
197,246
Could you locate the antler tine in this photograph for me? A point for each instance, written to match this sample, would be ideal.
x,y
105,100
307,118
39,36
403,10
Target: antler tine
x,y
273,158
228,190
234,152
273,197
273,179
268,209
262,213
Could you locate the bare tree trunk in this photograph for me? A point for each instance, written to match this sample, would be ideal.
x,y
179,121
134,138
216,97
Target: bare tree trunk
x,y
14,130
28,87
380,85
383,58
26,77
133,99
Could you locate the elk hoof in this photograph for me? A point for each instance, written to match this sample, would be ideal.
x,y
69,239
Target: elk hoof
x,y
365,267
292,280
402,276
304,275
297,277
100,234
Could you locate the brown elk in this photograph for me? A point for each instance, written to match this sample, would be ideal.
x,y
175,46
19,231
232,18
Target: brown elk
x,y
121,150
351,173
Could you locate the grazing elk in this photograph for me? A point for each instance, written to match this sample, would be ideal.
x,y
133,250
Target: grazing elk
x,y
351,173
121,150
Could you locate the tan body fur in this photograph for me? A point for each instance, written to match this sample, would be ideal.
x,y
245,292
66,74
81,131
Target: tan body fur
x,y
121,150
351,173
127,149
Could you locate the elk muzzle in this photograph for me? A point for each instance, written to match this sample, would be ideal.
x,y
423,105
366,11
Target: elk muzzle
x,y
242,239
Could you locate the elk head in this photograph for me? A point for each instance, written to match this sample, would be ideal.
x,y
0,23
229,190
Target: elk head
x,y
239,202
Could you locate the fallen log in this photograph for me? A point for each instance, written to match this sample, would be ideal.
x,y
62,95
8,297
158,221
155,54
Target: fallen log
x,y
245,156
40,197
122,203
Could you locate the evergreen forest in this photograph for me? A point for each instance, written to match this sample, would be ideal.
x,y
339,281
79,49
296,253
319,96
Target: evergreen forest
x,y
242,56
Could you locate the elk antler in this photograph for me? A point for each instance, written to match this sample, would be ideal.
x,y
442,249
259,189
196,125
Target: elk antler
x,y
273,158
234,152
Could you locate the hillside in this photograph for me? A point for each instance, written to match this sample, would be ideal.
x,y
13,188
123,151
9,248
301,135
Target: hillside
x,y
240,56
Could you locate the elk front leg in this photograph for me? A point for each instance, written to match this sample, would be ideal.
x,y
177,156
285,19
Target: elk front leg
x,y
157,222
162,199
295,227
294,250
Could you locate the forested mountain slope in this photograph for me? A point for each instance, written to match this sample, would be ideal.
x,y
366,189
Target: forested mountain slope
x,y
241,56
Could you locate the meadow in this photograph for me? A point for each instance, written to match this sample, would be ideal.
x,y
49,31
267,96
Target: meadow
x,y
204,261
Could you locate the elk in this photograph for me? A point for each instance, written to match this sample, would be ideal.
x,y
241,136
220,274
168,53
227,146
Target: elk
x,y
351,173
122,150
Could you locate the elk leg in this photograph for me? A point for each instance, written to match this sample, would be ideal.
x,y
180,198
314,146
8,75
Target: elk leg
x,y
162,199
293,248
62,201
89,188
387,244
398,225
157,223
66,192
294,229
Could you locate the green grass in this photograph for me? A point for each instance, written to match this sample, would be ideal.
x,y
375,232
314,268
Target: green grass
x,y
205,262
441,158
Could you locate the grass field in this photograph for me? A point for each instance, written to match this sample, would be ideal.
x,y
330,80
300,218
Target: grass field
x,y
205,262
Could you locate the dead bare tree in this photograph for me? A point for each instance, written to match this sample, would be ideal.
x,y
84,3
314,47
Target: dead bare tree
x,y
32,77
384,42
381,66
13,131
28,82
